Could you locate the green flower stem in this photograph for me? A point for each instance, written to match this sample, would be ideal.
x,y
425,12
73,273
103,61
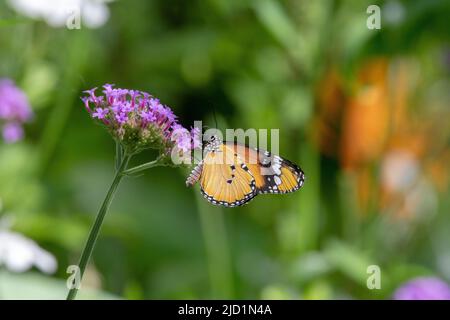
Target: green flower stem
x,y
143,167
93,234
119,154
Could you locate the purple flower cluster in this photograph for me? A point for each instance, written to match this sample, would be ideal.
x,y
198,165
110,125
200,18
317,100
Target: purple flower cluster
x,y
138,120
14,111
425,288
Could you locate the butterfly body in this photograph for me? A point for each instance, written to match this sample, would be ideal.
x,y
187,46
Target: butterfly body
x,y
232,174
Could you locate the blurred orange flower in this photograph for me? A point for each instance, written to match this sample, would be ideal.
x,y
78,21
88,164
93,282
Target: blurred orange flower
x,y
369,128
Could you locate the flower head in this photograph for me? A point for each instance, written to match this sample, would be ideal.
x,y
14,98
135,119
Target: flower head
x,y
14,111
138,120
425,288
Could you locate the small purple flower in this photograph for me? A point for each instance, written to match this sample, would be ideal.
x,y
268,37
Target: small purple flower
x,y
91,93
169,114
116,108
147,116
134,94
121,118
13,102
86,101
424,288
12,132
154,103
127,107
108,88
100,113
14,110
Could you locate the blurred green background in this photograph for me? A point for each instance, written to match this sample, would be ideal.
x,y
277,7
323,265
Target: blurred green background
x,y
363,112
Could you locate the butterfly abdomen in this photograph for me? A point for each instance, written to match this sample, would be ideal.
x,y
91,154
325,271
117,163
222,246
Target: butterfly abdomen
x,y
195,175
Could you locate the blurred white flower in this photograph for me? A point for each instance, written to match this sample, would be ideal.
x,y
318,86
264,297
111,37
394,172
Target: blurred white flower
x,y
19,254
403,178
399,171
93,13
393,12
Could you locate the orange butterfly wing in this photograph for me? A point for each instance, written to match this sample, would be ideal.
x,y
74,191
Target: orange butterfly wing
x,y
225,179
272,173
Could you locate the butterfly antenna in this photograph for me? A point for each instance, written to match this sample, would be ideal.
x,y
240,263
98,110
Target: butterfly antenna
x,y
214,114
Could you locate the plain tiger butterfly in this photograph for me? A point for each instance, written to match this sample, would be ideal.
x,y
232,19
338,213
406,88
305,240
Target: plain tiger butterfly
x,y
232,174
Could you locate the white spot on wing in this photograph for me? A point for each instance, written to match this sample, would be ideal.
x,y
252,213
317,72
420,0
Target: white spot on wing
x,y
277,169
277,180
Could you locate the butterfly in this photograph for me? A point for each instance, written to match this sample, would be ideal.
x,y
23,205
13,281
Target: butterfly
x,y
232,174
